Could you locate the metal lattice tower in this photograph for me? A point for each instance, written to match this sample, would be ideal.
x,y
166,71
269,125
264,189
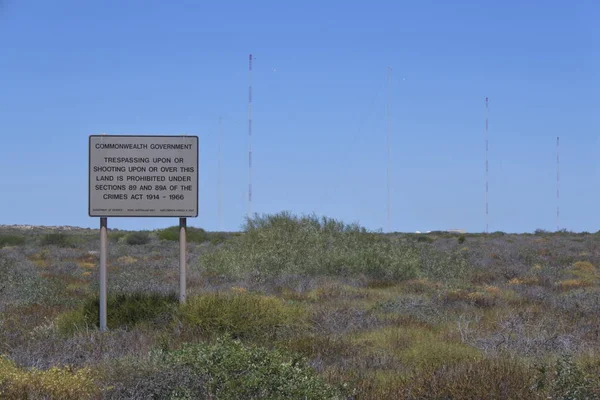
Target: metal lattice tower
x,y
219,178
486,167
557,183
250,136
388,140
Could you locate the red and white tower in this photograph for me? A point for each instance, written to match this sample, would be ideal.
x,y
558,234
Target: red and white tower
x,y
486,167
557,183
388,140
250,136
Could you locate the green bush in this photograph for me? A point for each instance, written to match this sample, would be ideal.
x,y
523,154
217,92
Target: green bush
x,y
196,235
171,234
242,316
70,322
58,239
125,310
137,238
11,240
280,244
224,370
424,239
116,235
461,239
235,371
217,238
568,380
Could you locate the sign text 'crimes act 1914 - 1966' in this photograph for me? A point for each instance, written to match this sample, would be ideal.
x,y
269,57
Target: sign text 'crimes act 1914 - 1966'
x,y
143,176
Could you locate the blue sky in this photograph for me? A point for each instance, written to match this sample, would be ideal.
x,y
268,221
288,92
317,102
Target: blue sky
x,y
72,68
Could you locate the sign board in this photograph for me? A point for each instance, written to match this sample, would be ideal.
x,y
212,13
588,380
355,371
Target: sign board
x,y
143,176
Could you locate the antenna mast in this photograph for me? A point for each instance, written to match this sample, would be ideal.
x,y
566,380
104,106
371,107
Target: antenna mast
x,y
219,179
557,183
250,136
388,139
486,167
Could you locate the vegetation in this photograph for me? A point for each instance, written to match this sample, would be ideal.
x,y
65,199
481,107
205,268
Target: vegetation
x,y
137,238
55,383
58,239
11,240
242,315
195,235
302,307
276,245
116,235
123,311
227,370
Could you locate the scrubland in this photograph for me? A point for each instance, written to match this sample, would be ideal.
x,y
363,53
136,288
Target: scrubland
x,y
301,308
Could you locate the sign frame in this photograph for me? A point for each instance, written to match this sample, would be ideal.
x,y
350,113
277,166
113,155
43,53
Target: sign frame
x,y
197,181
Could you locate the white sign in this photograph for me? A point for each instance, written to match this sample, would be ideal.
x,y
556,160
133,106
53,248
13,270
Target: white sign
x,y
143,176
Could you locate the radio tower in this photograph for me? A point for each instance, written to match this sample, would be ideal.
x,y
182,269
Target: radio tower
x,y
557,183
388,134
219,172
250,136
486,167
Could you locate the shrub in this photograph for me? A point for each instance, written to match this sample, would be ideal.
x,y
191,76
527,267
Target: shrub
x,y
21,284
445,266
567,380
196,235
242,315
224,370
54,383
461,239
135,378
137,238
11,240
277,244
58,239
171,233
424,239
123,310
570,382
483,379
585,271
70,322
234,371
417,346
116,235
217,238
